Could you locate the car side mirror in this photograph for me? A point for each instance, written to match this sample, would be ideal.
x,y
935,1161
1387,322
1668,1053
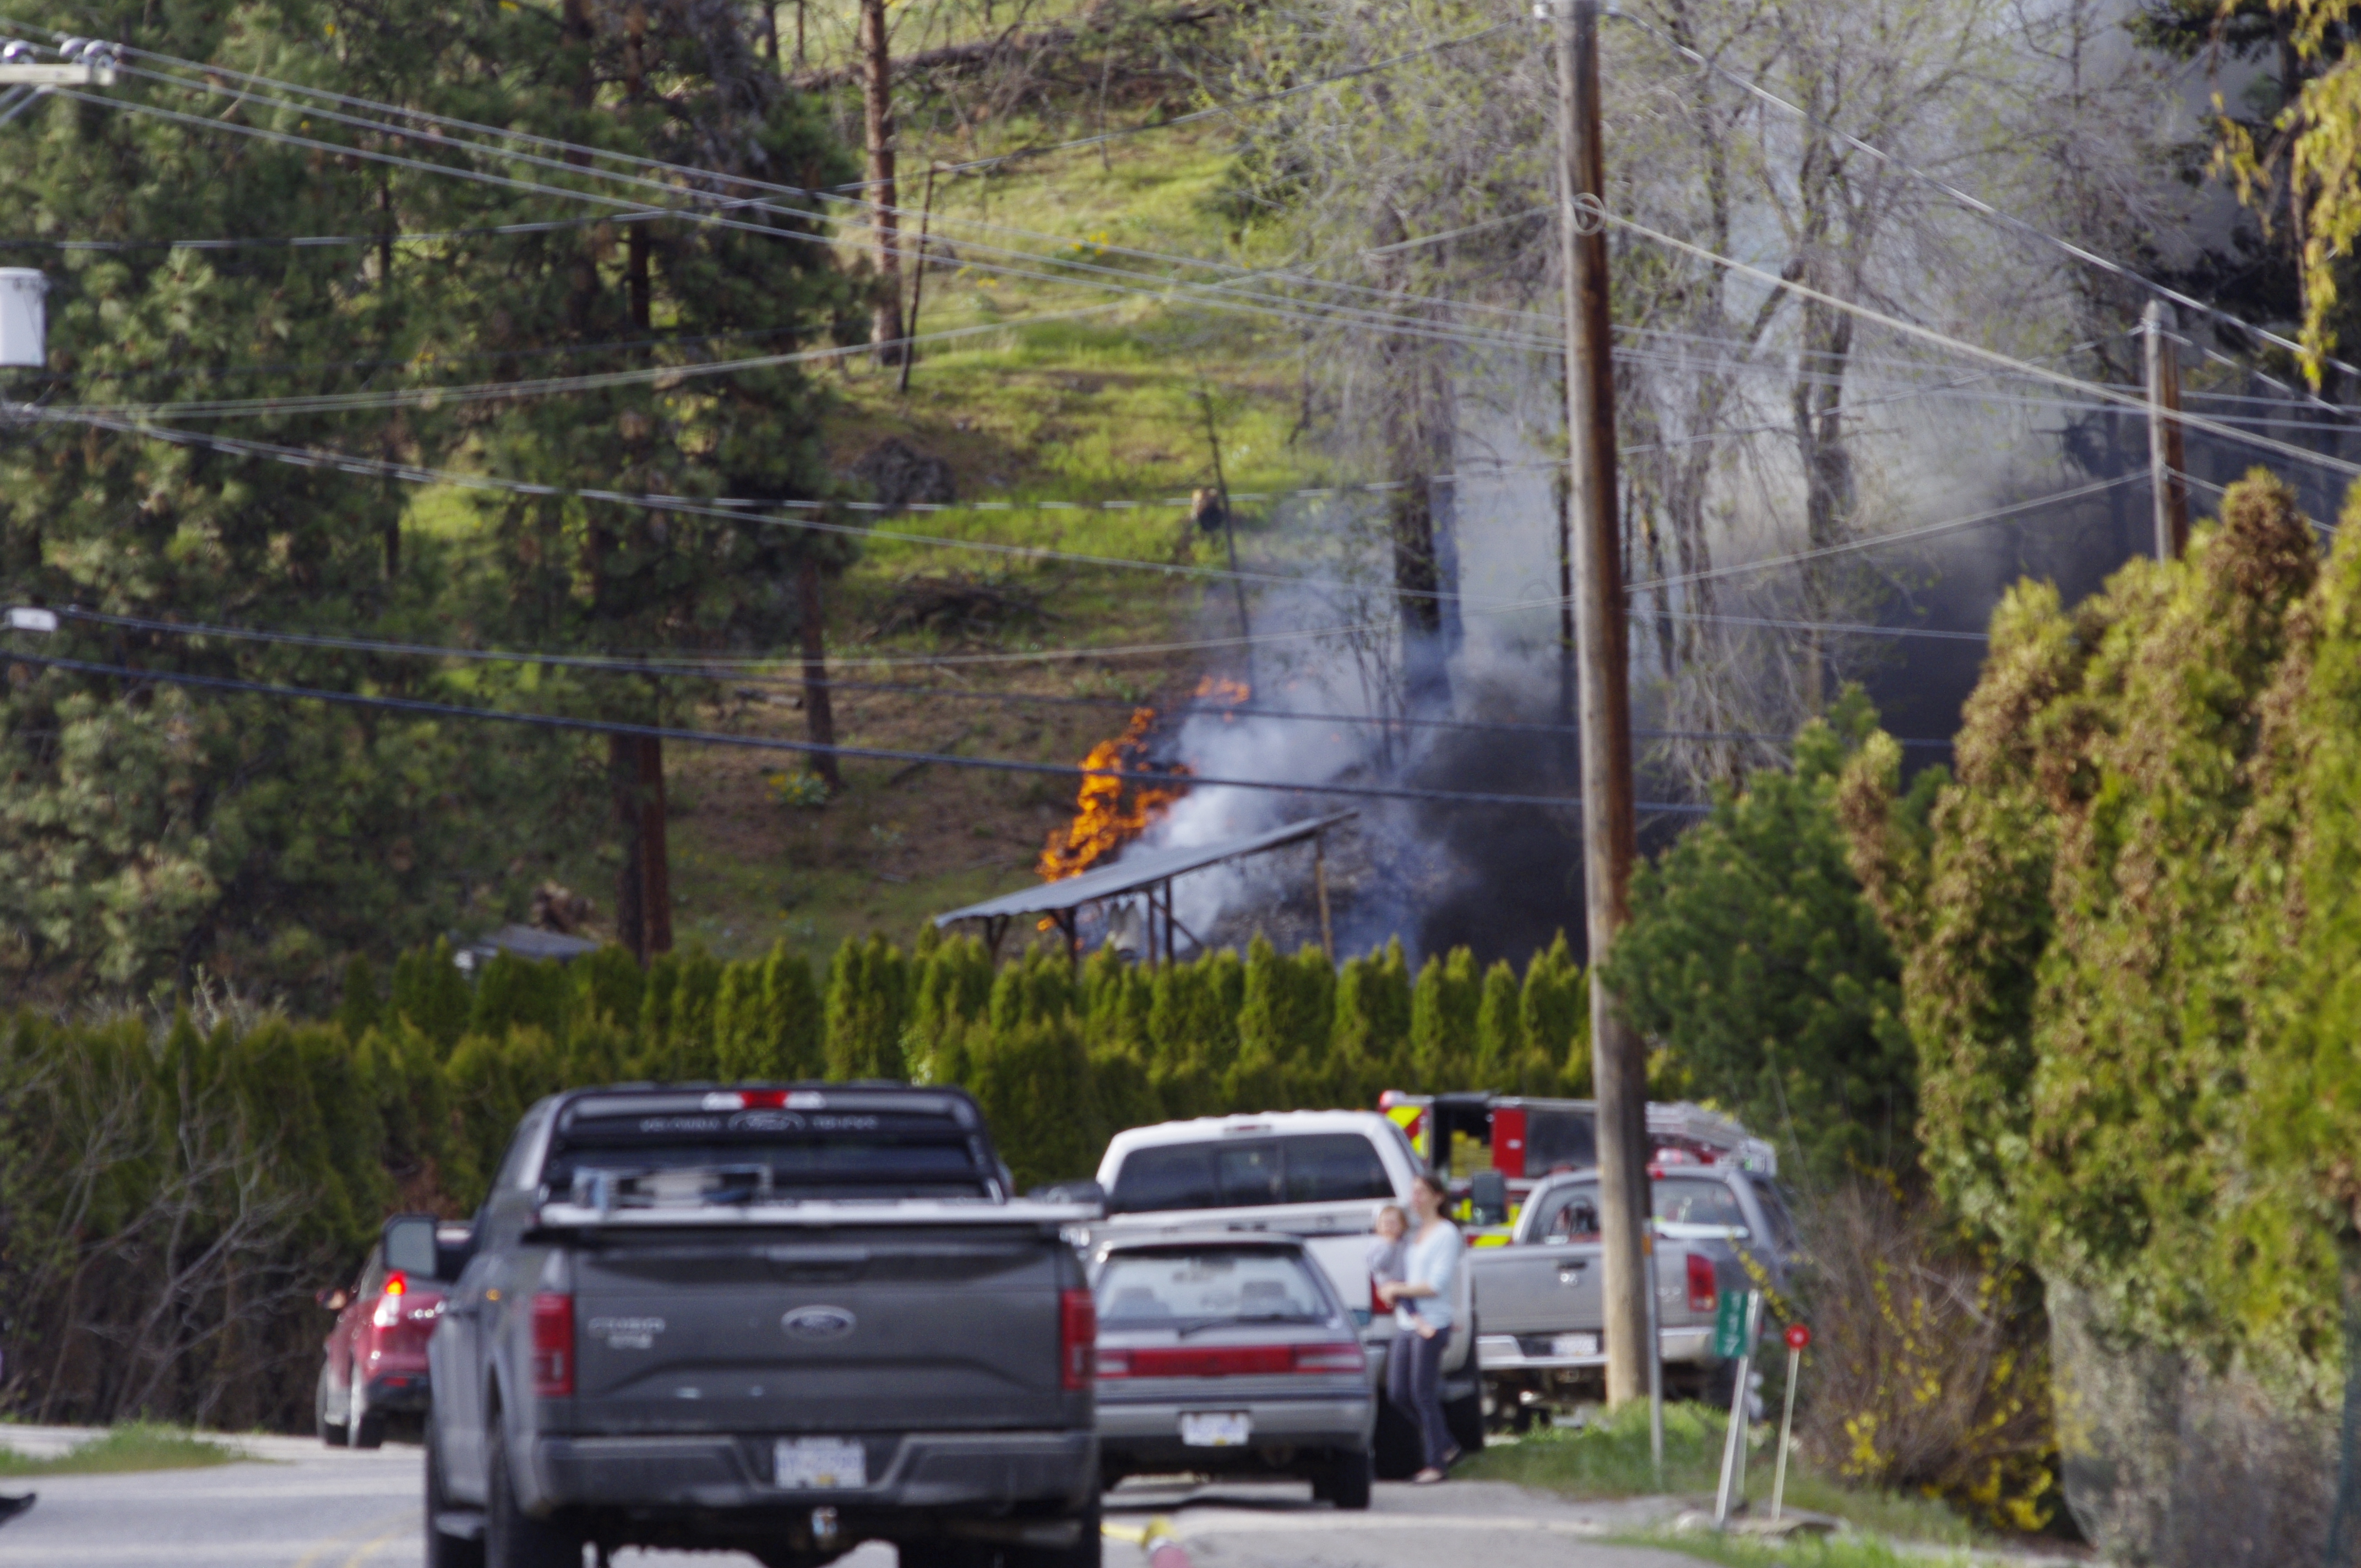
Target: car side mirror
x,y
1083,1191
410,1246
335,1299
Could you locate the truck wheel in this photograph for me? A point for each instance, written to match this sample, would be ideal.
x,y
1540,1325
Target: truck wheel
x,y
512,1538
330,1433
443,1551
1084,1553
1345,1481
363,1427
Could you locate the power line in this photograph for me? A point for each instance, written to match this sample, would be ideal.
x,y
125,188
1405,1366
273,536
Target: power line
x,y
692,667
1960,345
1973,204
772,743
1903,536
1206,114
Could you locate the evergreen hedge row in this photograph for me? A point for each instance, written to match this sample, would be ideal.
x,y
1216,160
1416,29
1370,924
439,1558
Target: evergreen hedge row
x,y
170,1199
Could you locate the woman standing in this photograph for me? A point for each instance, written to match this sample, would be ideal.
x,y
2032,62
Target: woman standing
x,y
1423,1320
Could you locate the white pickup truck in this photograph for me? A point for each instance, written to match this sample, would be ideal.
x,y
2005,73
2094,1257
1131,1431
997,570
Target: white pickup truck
x,y
1319,1175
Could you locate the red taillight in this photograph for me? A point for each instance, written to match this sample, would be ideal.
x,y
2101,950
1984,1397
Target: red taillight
x,y
553,1346
395,1284
762,1098
1232,1361
1078,1338
1344,1357
1704,1292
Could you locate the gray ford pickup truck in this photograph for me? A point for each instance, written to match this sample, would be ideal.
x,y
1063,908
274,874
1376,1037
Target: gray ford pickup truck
x,y
780,1319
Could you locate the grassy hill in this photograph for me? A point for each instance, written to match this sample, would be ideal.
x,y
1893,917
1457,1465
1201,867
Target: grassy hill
x,y
1039,421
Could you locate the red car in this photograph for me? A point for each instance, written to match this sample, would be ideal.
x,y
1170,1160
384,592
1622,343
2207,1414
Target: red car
x,y
375,1363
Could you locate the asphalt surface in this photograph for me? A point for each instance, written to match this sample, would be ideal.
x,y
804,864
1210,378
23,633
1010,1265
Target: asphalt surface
x,y
299,1504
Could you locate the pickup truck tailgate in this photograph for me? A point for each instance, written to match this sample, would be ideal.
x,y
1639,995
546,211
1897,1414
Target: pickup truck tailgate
x,y
844,1330
1537,1289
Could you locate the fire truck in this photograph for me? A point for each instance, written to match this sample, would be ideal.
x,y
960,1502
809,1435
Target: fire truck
x,y
1493,1148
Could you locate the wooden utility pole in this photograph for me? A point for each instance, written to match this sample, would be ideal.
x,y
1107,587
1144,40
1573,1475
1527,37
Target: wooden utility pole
x,y
1601,658
2167,467
877,103
1220,503
644,770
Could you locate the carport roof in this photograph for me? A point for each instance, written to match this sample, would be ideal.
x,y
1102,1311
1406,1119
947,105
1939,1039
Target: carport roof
x,y
1135,873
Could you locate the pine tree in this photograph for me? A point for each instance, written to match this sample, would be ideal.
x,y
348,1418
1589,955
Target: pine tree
x,y
1499,1030
361,1008
1442,1022
791,1016
868,998
1370,1042
1555,1012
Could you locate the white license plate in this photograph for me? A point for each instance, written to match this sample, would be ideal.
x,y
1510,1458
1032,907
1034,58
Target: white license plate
x,y
1216,1428
1575,1344
821,1463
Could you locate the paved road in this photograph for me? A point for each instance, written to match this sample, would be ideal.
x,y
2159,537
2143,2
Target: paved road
x,y
299,1504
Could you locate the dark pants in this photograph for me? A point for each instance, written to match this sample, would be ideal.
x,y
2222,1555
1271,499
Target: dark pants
x,y
1414,1383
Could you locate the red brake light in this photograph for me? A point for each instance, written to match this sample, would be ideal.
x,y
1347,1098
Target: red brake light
x,y
1231,1360
1704,1290
762,1098
395,1284
1343,1356
1078,1338
553,1346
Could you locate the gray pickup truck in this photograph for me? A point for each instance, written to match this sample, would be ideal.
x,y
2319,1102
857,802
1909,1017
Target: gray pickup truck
x,y
1717,1228
776,1319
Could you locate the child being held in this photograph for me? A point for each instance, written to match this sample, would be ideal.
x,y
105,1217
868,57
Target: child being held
x,y
1388,1259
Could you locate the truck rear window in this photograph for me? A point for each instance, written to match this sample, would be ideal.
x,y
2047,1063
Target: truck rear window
x,y
1249,1173
635,1161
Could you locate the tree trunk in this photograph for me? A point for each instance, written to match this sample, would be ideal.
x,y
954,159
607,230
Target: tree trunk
x,y
877,101
819,718
1817,400
623,783
655,857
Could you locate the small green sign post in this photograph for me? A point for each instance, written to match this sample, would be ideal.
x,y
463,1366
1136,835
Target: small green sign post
x,y
1730,1324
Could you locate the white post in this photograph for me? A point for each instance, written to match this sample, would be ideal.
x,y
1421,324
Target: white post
x,y
1655,1354
23,324
1733,1438
1787,1425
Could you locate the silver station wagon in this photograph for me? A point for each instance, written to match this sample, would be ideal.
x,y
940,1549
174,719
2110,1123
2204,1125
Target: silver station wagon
x,y
1229,1352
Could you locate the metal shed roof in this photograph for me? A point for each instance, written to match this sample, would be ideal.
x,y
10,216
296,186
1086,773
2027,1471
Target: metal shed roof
x,y
1133,873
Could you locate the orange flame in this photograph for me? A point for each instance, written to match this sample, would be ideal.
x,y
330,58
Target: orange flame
x,y
1110,813
1224,692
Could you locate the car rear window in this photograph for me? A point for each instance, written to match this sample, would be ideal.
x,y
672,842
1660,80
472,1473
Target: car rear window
x,y
1248,1173
1147,1288
644,1157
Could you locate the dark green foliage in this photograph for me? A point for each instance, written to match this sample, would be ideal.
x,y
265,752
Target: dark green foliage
x,y
609,984
1755,960
362,1007
1499,1030
1554,1012
430,995
1034,1086
1443,1010
512,991
1369,1049
868,998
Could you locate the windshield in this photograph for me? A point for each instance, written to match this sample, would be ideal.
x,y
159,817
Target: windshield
x,y
1158,1289
1247,1173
